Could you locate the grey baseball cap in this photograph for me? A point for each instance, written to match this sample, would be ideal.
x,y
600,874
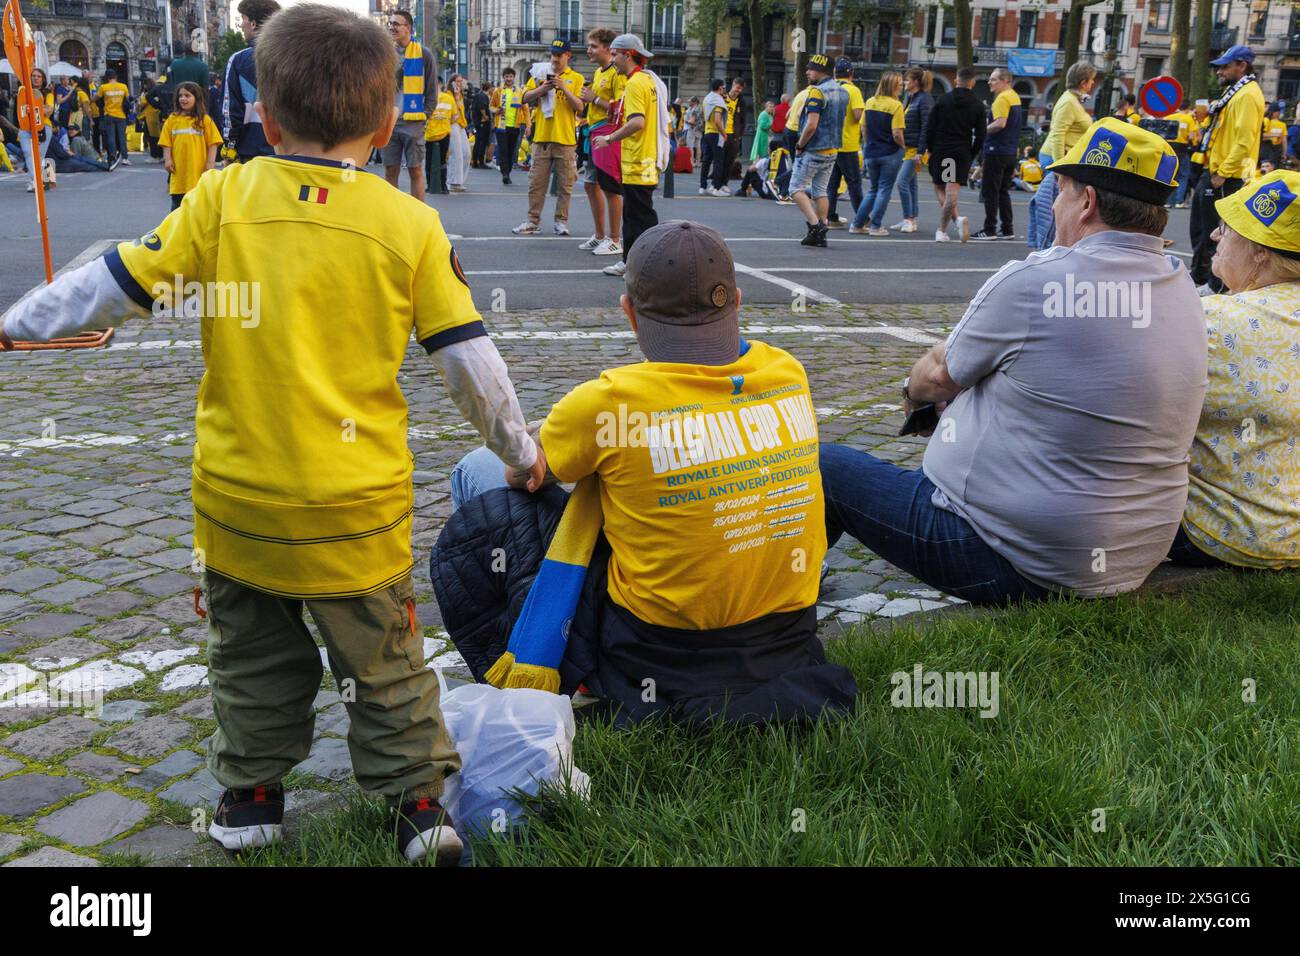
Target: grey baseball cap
x,y
682,282
630,41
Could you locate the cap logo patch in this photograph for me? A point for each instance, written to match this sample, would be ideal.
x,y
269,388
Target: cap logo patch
x,y
1270,202
719,295
1105,149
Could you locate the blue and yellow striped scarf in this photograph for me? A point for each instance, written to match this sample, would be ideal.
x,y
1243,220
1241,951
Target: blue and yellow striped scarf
x,y
413,82
541,632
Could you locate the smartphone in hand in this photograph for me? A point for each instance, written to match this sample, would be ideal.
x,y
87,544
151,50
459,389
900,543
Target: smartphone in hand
x,y
924,418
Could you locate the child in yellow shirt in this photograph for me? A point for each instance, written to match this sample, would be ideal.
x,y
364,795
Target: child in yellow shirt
x,y
189,141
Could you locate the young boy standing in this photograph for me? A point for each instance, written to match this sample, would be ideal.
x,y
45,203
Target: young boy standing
x,y
302,477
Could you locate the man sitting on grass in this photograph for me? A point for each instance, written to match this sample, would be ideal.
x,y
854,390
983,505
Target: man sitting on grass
x,y
1069,393
700,599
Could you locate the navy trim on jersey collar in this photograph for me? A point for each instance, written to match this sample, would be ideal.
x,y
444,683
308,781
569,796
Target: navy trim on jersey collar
x,y
315,161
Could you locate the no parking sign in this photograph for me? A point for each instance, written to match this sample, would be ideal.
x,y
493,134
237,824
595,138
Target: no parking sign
x,y
1160,96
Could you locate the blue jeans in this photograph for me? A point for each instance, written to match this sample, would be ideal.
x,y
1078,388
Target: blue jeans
x,y
907,188
1184,178
114,137
883,170
1041,230
889,510
477,472
1184,552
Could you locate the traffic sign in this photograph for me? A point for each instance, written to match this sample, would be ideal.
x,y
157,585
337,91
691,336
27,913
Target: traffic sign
x,y
1161,96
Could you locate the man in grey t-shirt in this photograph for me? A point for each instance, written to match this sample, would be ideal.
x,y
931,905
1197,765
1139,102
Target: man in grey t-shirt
x,y
1070,392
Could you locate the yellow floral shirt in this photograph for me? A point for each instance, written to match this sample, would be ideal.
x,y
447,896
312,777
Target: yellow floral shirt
x,y
1243,502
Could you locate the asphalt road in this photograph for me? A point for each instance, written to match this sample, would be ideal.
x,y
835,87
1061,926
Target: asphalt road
x,y
544,271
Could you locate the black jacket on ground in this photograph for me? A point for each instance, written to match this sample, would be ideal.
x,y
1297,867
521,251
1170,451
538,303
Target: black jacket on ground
x,y
770,670
957,124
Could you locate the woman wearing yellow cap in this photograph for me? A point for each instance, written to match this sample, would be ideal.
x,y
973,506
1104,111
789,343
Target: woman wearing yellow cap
x,y
1243,503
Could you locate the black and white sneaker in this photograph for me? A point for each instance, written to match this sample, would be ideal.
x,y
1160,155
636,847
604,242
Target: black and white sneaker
x,y
249,818
423,828
984,236
1006,235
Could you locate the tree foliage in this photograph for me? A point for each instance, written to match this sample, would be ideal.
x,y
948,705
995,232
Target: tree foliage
x,y
228,44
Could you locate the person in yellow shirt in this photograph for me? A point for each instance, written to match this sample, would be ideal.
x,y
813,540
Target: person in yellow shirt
x,y
113,98
693,580
603,191
509,120
189,141
316,278
1231,146
555,138
1183,144
640,111
44,96
1272,142
848,160
437,132
883,122
735,128
153,122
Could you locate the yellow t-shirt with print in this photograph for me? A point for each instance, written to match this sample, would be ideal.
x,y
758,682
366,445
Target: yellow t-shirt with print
x,y
796,107
562,125
641,150
1275,131
732,106
189,142
508,102
1243,496
438,125
608,84
114,95
709,483
851,138
316,275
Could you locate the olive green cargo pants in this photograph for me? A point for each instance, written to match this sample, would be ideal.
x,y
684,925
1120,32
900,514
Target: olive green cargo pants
x,y
265,671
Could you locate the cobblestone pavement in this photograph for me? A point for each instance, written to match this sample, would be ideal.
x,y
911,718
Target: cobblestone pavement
x,y
95,555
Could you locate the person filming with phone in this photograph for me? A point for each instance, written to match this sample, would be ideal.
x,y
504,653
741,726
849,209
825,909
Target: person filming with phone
x,y
1062,404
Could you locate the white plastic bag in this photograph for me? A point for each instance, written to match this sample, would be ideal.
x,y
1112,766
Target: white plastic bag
x,y
508,739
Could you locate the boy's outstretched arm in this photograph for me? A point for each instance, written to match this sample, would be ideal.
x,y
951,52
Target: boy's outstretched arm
x,y
480,385
88,297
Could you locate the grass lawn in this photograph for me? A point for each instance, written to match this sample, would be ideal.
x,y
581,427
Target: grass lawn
x,y
1133,705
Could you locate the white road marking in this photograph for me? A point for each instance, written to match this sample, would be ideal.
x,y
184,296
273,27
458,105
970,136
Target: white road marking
x,y
794,287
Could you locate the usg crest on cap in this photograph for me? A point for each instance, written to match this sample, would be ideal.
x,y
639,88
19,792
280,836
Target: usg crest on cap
x,y
1105,149
1266,212
1270,201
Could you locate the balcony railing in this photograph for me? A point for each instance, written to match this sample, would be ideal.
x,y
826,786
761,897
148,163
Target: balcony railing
x,y
853,51
142,11
667,41
523,36
1223,37
575,35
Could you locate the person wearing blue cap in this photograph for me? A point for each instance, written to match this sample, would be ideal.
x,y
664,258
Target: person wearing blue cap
x,y
1231,147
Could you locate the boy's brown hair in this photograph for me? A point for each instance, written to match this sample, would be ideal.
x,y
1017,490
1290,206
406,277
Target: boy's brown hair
x,y
326,75
601,35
